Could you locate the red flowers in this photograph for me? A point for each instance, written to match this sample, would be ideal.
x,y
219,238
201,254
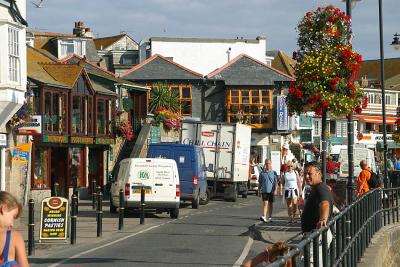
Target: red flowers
x,y
331,18
296,93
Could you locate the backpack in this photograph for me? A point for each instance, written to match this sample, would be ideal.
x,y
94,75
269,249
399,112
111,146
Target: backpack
x,y
374,180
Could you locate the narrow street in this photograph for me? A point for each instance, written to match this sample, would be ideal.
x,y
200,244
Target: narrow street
x,y
215,235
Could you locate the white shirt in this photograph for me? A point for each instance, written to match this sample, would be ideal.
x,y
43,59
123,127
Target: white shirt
x,y
290,180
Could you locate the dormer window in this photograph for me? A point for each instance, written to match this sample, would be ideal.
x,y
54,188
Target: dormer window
x,y
71,46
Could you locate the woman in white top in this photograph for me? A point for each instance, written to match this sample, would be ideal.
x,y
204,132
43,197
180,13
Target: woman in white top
x,y
291,188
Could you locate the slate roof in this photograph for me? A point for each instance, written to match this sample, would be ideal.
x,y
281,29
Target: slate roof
x,y
371,69
245,70
158,67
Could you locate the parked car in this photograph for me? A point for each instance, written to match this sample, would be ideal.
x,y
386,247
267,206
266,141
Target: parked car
x,y
191,168
253,184
160,179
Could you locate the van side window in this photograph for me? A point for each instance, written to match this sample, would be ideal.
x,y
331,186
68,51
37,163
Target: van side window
x,y
183,158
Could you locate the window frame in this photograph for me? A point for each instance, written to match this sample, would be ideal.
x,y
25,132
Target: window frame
x,y
247,105
64,110
14,56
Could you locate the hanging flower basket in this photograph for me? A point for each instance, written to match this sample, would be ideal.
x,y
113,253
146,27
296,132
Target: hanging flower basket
x,y
171,120
327,67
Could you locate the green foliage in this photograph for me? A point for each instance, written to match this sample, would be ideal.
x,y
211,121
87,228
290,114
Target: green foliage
x,y
163,97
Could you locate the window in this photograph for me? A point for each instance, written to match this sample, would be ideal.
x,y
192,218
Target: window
x,y
77,114
341,129
332,127
378,99
41,178
72,46
370,98
387,99
316,127
55,110
101,117
184,94
249,106
369,127
13,55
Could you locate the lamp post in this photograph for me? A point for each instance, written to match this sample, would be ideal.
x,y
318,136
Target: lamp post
x,y
350,132
385,177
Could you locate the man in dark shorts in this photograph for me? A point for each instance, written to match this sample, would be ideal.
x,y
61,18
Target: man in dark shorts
x,y
268,181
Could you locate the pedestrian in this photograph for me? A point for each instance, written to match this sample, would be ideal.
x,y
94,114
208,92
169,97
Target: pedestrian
x,y
397,163
292,186
318,207
363,178
268,181
11,242
269,255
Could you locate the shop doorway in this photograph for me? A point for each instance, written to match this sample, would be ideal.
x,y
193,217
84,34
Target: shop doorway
x,y
96,167
58,170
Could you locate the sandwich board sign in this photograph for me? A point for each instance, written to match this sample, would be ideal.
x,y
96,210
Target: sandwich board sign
x,y
54,219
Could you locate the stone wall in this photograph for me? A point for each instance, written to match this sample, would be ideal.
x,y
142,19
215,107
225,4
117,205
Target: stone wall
x,y
384,247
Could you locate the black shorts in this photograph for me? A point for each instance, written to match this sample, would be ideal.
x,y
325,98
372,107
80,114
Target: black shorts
x,y
268,197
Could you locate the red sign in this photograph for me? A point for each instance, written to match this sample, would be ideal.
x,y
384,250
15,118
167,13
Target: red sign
x,y
207,134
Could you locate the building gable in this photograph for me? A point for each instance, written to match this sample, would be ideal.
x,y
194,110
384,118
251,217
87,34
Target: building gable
x,y
158,67
244,70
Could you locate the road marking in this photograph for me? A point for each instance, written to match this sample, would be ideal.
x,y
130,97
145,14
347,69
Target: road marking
x,y
103,246
245,252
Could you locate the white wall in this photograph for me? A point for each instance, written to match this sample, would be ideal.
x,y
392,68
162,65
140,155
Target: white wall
x,y
204,57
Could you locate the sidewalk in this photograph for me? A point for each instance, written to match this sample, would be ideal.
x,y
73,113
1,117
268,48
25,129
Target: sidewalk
x,y
86,228
279,229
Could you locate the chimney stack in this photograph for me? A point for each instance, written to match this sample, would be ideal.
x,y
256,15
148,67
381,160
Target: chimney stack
x,y
82,31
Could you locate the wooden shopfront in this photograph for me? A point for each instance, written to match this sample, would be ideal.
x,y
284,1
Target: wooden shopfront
x,y
78,130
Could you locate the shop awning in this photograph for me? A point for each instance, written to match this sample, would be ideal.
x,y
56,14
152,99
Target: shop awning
x,y
376,119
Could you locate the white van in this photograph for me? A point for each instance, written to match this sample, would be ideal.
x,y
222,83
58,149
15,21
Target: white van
x,y
359,154
160,179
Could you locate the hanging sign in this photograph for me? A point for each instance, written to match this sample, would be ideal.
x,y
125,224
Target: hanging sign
x,y
282,114
21,153
54,218
34,126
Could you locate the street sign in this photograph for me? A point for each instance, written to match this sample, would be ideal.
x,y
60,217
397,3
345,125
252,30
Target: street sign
x,y
155,135
54,219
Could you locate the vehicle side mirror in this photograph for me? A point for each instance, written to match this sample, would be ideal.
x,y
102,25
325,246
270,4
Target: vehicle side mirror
x,y
210,167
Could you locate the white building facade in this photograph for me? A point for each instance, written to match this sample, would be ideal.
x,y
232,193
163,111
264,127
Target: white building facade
x,y
204,55
12,74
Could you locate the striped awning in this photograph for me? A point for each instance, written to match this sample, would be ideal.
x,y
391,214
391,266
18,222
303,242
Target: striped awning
x,y
376,119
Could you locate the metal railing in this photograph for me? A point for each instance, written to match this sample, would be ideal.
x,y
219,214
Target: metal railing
x,y
351,230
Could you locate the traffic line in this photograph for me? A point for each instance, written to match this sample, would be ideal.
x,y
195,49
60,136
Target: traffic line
x,y
103,246
245,252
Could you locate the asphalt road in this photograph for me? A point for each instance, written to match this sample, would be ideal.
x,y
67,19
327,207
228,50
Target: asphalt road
x,y
214,235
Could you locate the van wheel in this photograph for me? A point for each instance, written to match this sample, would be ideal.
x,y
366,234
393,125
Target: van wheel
x,y
206,198
174,213
196,202
113,209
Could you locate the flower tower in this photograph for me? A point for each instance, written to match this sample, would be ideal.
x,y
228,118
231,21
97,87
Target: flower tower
x,y
326,69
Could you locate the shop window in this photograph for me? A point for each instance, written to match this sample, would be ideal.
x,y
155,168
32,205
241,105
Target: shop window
x,y
41,177
47,111
55,111
90,115
249,106
76,163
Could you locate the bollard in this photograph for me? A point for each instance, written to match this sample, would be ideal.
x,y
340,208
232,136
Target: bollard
x,y
94,194
121,209
99,212
31,228
142,204
56,188
74,203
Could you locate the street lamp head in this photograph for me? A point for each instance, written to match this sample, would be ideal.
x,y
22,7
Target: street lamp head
x,y
353,2
396,41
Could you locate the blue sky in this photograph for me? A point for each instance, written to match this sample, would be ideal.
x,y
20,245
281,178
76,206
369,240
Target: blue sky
x,y
275,19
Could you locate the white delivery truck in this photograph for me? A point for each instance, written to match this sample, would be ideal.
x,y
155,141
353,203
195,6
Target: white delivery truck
x,y
227,155
358,155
